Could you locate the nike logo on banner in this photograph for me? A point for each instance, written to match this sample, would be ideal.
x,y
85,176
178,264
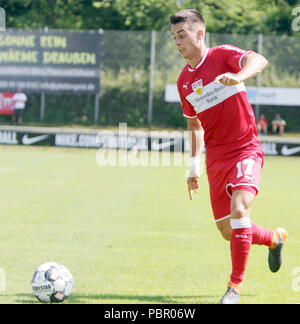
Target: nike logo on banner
x,y
32,140
289,151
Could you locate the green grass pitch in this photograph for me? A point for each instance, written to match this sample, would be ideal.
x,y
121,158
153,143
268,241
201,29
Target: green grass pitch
x,y
131,234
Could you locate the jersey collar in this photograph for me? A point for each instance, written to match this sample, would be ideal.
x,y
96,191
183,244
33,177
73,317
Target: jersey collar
x,y
200,63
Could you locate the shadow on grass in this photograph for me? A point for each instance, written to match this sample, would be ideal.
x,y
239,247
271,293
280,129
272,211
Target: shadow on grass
x,y
125,299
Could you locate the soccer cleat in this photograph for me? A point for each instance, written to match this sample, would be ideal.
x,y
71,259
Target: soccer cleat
x,y
275,250
232,295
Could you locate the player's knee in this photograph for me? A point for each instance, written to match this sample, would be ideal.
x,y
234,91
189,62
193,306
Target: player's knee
x,y
239,211
241,203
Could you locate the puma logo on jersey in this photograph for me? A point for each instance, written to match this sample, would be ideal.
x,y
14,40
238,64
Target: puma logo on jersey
x,y
185,85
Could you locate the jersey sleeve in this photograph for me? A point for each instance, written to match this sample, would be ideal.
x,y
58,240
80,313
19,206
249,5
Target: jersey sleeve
x,y
233,56
187,109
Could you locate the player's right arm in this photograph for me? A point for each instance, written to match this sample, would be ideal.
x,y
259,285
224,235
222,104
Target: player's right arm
x,y
195,131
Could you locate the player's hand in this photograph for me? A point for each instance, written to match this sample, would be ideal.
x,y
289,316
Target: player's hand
x,y
193,185
228,79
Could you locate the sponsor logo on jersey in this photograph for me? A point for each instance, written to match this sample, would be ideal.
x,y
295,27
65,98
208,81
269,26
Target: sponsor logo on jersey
x,y
212,95
186,85
198,86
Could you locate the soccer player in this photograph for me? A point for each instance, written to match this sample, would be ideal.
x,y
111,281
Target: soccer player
x,y
214,100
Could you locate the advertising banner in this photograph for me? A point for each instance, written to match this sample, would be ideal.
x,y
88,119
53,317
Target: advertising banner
x,y
113,140
274,96
6,103
50,61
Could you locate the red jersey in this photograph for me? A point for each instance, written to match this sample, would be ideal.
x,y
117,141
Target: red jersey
x,y
224,111
262,122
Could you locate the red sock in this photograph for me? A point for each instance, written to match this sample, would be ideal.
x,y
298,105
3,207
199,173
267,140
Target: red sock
x,y
261,236
240,243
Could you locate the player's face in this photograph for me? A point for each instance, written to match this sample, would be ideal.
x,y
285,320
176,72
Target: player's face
x,y
186,39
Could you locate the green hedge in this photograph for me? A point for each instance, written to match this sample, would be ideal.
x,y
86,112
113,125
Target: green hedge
x,y
125,105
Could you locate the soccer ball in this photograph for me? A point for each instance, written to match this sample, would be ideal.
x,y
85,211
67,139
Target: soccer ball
x,y
52,283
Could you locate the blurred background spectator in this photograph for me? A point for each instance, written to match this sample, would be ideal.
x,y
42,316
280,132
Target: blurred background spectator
x,y
19,100
278,124
262,125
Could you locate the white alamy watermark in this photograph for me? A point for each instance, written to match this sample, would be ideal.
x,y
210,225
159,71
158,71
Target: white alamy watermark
x,y
296,21
2,19
2,281
296,279
140,148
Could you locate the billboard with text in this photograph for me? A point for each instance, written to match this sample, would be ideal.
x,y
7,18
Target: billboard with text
x,y
50,61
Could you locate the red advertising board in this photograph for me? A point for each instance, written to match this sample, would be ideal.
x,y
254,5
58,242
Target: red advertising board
x,y
6,103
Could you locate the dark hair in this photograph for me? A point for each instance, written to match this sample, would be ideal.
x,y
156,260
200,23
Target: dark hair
x,y
190,15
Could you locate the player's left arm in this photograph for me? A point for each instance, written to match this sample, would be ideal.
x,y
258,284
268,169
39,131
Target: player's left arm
x,y
252,64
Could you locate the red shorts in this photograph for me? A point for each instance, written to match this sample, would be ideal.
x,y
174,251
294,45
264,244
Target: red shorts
x,y
227,176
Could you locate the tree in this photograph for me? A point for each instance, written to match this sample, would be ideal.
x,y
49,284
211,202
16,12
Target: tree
x,y
222,16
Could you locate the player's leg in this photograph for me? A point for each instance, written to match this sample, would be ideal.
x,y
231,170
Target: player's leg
x,y
20,116
281,129
242,188
275,127
221,205
240,242
248,180
258,126
265,129
13,119
273,239
241,235
225,228
241,181
17,115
